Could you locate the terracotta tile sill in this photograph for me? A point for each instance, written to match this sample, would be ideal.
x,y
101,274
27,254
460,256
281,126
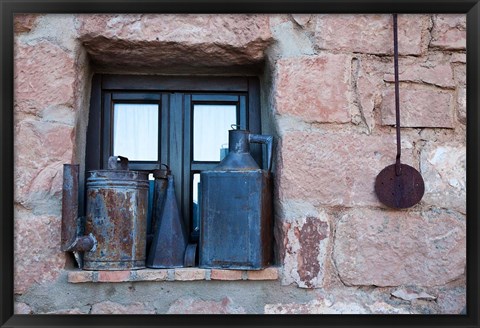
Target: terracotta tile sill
x,y
179,274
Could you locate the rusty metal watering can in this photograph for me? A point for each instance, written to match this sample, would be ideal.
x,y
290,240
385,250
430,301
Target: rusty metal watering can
x,y
116,220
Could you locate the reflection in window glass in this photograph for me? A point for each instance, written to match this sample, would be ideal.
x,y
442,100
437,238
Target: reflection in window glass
x,y
151,186
210,130
196,202
135,131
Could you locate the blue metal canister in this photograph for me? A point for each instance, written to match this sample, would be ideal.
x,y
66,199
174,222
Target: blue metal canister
x,y
236,208
117,204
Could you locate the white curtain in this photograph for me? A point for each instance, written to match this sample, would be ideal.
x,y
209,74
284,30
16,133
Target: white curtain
x,y
135,131
210,130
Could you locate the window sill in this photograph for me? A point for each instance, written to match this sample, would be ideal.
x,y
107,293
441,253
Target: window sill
x,y
179,274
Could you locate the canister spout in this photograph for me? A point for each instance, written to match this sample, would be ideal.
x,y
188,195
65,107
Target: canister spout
x,y
71,241
268,141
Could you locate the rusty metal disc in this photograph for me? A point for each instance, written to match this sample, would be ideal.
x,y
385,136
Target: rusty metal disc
x,y
399,191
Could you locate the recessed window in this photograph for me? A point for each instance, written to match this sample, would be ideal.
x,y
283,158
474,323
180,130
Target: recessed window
x,y
182,122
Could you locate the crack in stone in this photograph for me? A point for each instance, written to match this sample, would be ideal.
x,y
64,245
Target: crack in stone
x,y
334,263
430,30
355,69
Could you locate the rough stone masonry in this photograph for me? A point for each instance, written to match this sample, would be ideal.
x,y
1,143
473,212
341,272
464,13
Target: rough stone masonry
x,y
327,97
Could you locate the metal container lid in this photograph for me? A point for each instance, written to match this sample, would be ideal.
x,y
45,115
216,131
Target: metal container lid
x,y
117,174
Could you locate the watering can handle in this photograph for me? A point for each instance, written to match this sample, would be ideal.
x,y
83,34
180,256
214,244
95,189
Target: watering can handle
x,y
263,139
117,163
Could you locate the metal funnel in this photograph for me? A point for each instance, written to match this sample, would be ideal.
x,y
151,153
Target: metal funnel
x,y
170,239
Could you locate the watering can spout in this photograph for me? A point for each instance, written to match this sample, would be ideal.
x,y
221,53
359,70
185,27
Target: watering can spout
x,y
72,239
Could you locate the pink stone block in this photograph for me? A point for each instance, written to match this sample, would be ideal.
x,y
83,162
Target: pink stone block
x,y
265,274
449,32
218,274
433,71
68,311
335,168
151,275
314,88
443,167
462,104
372,33
21,308
188,274
459,57
75,277
41,149
317,307
191,305
109,307
420,108
24,22
163,40
460,74
393,248
44,75
113,276
37,254
302,19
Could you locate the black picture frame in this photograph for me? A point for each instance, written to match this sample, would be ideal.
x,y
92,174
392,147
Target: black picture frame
x,y
9,7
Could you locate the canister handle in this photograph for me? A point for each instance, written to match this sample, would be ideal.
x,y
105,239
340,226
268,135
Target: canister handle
x,y
263,139
162,173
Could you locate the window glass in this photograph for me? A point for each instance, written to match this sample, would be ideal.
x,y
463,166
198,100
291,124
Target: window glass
x,y
196,202
151,187
135,131
210,130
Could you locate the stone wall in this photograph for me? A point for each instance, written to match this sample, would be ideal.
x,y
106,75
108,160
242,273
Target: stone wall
x,y
327,97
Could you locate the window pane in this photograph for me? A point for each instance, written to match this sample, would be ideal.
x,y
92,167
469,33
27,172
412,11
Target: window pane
x,y
135,131
210,130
